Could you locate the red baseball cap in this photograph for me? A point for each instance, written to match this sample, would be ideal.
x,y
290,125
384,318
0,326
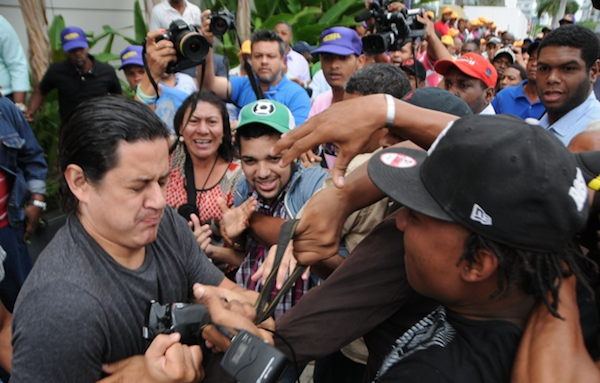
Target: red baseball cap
x,y
471,64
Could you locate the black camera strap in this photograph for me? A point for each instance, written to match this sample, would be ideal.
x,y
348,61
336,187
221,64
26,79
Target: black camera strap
x,y
190,182
252,78
264,309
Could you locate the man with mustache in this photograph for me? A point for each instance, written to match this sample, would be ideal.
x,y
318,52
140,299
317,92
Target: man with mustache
x,y
279,192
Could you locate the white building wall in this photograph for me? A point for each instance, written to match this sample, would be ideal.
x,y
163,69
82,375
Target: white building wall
x,y
507,18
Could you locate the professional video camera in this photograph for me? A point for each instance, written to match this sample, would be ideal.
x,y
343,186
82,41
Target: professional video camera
x,y
221,22
190,46
248,358
392,27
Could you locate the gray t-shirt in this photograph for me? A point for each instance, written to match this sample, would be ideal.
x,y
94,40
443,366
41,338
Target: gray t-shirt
x,y
79,308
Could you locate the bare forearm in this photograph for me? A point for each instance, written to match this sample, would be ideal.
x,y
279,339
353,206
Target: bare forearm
x,y
226,255
19,97
324,268
266,229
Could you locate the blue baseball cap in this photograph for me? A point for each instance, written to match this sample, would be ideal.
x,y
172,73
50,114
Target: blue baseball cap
x,y
73,38
303,46
340,41
132,55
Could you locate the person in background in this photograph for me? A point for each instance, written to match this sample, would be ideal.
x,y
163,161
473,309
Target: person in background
x,y
132,65
79,78
14,74
513,75
523,100
442,24
172,88
203,162
297,67
415,71
305,49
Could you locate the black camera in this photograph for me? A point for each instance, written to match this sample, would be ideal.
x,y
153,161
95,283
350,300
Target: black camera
x,y
190,46
248,358
221,22
187,319
392,27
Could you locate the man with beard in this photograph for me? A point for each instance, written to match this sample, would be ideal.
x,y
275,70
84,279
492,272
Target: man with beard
x,y
268,63
275,194
567,68
79,78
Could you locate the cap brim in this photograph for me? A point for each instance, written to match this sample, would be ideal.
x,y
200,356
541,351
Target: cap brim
x,y
67,47
397,173
443,66
278,127
131,62
589,162
336,50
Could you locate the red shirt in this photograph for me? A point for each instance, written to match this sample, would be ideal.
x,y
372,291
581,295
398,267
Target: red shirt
x,y
441,27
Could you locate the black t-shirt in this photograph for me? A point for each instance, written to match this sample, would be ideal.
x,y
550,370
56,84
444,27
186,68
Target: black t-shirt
x,y
74,86
447,347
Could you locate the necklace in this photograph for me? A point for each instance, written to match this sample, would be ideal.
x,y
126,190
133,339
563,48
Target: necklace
x,y
210,173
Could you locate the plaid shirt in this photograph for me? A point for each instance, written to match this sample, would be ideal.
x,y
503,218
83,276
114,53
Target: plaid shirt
x,y
256,252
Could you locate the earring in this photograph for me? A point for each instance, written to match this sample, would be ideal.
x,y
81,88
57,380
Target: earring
x,y
180,138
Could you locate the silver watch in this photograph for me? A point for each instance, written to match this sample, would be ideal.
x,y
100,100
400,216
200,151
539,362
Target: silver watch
x,y
41,204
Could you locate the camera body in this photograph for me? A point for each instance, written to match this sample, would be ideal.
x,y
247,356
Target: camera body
x,y
392,28
187,319
221,22
248,358
190,46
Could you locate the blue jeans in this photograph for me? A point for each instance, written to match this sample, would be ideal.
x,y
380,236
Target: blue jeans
x,y
17,265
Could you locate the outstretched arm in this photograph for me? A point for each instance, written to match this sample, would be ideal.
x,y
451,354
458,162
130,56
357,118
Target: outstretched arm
x,y
219,85
345,125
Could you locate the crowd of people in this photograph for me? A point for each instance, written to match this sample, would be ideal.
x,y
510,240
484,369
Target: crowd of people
x,y
443,194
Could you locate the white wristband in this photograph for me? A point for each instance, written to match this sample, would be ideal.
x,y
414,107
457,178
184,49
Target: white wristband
x,y
391,111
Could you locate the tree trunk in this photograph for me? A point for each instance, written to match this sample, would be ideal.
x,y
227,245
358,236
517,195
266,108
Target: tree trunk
x,y
149,5
34,14
243,19
560,14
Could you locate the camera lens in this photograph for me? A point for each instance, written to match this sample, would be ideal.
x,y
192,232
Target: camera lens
x,y
219,26
194,47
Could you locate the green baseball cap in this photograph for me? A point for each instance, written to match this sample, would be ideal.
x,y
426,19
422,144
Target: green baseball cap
x,y
267,112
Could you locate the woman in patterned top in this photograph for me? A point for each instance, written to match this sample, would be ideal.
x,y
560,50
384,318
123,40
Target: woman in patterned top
x,y
205,148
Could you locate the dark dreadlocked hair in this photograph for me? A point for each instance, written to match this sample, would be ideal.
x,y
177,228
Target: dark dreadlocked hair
x,y
534,272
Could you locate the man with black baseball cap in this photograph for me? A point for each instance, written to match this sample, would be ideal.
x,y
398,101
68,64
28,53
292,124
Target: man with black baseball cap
x,y
494,203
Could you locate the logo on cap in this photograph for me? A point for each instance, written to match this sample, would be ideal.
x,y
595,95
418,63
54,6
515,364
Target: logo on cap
x,y
398,160
578,191
128,55
479,215
332,36
263,108
71,36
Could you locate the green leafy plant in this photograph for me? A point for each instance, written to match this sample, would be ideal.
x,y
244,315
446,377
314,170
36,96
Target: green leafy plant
x,y
47,120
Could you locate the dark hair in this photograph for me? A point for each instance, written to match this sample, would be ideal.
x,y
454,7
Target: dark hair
x,y
286,23
226,149
254,130
535,273
522,71
574,36
379,78
91,137
266,35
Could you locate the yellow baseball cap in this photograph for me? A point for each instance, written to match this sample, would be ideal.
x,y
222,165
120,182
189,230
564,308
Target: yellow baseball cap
x,y
454,15
448,40
446,10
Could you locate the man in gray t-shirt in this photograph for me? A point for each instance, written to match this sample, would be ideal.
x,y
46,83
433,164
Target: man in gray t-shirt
x,y
85,301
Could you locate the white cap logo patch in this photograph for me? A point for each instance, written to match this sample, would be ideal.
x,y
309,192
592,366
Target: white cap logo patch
x,y
263,108
479,215
579,191
397,160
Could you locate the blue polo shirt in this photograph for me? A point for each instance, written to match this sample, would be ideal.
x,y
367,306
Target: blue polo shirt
x,y
512,100
286,92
